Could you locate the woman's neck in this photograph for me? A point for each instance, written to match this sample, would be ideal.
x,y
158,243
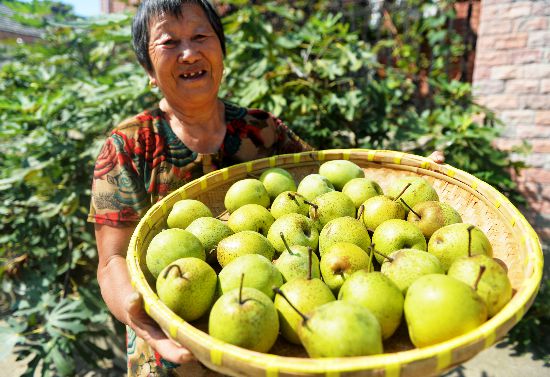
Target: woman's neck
x,y
201,129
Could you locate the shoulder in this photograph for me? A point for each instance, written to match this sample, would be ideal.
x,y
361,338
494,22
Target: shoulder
x,y
132,125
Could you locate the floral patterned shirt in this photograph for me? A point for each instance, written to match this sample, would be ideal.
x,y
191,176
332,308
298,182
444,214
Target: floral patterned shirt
x,y
143,160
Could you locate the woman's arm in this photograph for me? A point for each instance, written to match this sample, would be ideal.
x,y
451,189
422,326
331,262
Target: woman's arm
x,y
121,299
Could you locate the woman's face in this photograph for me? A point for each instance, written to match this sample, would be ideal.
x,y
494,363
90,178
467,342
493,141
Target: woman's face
x,y
187,57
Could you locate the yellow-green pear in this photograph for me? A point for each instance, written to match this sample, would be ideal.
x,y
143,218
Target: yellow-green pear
x,y
245,242
361,189
246,191
185,211
210,231
344,229
412,190
487,277
277,180
251,217
396,234
170,245
456,241
439,307
187,287
340,172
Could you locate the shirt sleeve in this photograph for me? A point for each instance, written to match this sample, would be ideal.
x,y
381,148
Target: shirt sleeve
x,y
119,196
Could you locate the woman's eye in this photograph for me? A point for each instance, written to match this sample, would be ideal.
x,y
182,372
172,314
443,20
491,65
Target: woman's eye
x,y
169,42
200,37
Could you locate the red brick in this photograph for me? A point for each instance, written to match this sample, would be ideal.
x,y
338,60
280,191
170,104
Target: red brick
x,y
506,72
500,101
526,56
530,24
536,71
483,87
535,101
529,131
518,116
535,175
486,42
495,27
542,118
541,8
506,144
539,39
545,86
509,41
492,57
541,206
518,9
481,72
540,145
522,86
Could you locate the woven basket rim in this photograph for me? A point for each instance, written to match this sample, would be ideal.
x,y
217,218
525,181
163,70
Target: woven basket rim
x,y
482,337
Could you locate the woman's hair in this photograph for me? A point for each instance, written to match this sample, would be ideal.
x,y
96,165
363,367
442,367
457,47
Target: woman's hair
x,y
149,9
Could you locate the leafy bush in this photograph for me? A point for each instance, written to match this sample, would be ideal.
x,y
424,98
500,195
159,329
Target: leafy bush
x,y
336,87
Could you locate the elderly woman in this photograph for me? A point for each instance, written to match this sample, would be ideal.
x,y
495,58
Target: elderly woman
x,y
181,46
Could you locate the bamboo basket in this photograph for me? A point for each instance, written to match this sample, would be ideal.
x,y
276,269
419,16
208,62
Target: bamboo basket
x,y
513,240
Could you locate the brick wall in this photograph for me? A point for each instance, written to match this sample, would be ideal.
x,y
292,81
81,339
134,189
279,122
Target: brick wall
x,y
512,77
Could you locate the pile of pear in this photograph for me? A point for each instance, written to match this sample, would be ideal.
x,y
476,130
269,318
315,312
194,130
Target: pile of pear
x,y
331,263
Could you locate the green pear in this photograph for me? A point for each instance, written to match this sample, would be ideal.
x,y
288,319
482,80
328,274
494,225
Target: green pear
x,y
412,190
361,189
170,245
259,273
305,295
251,217
245,317
329,206
344,229
340,329
245,242
378,293
397,234
380,208
340,172
439,307
297,262
277,180
246,191
405,266
210,231
187,287
431,215
298,230
313,185
488,278
185,211
289,202
458,240
340,261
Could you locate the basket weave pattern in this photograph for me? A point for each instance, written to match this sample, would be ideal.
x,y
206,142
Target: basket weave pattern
x,y
512,238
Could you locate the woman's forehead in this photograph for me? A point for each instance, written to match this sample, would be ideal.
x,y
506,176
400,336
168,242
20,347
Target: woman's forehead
x,y
191,15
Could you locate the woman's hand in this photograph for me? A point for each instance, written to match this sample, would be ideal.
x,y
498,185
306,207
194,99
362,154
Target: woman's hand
x,y
438,157
122,300
147,329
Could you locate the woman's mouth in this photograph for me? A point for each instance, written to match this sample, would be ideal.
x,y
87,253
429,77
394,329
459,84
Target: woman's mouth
x,y
193,75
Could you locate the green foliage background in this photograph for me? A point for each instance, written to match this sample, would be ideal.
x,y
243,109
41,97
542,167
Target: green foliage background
x,y
334,86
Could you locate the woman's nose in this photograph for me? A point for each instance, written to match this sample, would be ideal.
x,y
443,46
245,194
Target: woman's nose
x,y
188,53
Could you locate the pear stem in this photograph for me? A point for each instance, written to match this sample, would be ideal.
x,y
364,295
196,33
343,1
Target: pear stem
x,y
315,207
410,208
170,268
382,254
241,290
470,228
278,291
403,191
482,269
371,254
309,256
286,243
360,212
